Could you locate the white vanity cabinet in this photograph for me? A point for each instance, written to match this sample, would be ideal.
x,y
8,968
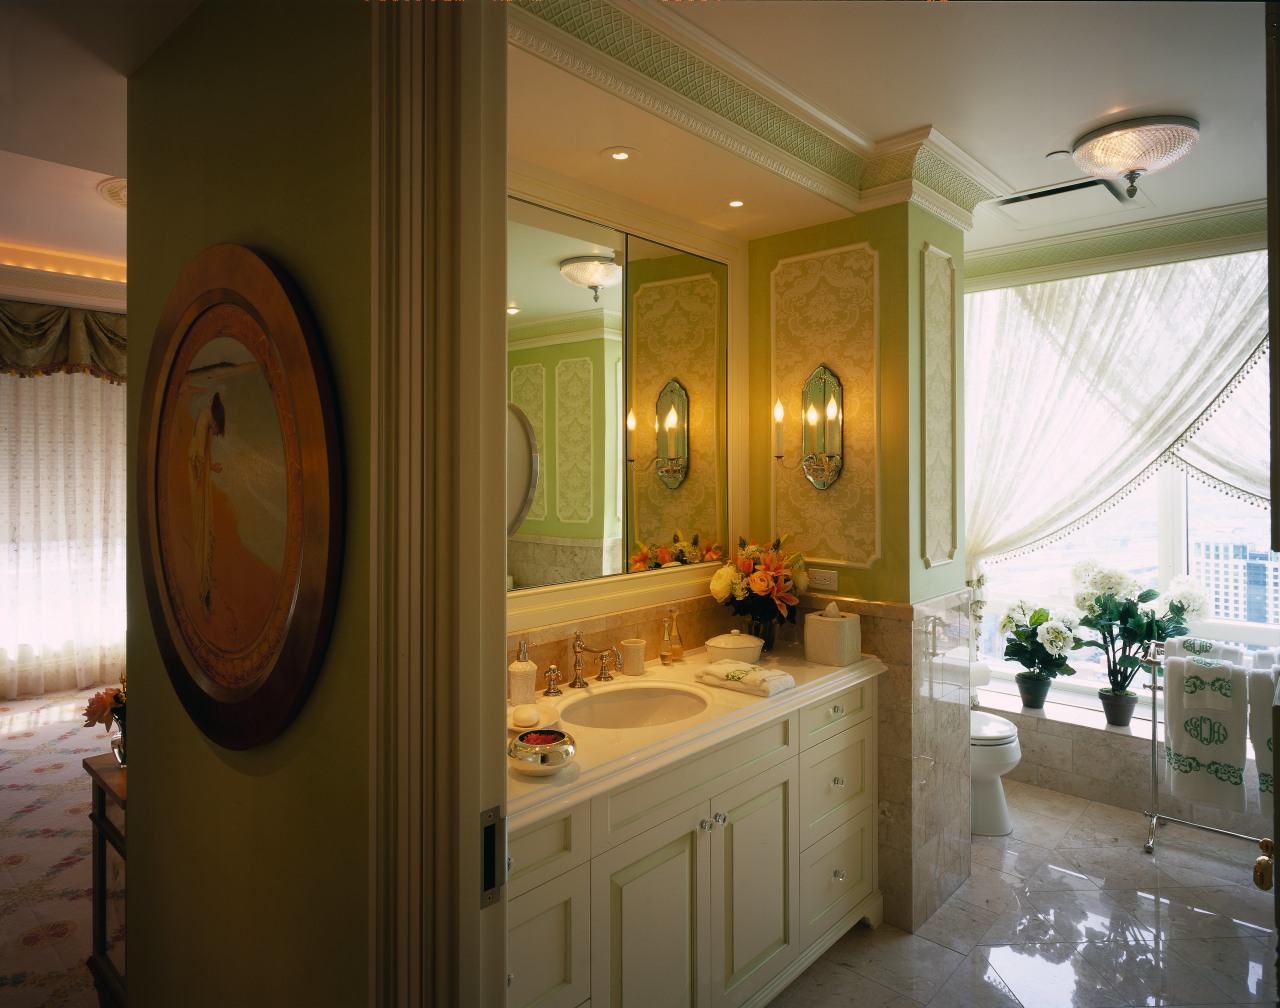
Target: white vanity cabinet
x,y
711,881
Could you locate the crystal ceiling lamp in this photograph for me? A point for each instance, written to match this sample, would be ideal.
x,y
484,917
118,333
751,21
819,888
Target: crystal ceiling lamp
x,y
1135,147
592,272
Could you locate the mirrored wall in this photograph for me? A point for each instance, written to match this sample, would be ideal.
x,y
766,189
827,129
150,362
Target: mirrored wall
x,y
602,327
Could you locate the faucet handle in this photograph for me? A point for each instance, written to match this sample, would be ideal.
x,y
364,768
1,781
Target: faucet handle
x,y
553,677
605,675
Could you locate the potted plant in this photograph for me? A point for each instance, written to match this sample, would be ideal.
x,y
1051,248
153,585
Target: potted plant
x,y
1119,611
1038,641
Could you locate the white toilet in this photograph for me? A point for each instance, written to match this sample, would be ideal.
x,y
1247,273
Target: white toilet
x,y
993,752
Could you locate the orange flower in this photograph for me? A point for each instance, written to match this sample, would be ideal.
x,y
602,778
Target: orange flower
x,y
746,565
712,553
640,561
782,594
100,709
665,556
761,582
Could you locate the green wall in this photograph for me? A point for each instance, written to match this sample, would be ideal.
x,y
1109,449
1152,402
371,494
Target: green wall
x,y
897,234
248,871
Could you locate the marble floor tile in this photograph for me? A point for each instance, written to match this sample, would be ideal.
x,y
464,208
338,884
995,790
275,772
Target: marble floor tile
x,y
1053,975
904,963
1070,911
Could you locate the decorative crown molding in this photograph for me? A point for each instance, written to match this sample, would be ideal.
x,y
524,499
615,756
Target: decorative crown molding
x,y
20,284
732,104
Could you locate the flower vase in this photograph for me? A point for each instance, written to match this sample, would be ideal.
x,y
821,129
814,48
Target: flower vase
x,y
117,741
765,630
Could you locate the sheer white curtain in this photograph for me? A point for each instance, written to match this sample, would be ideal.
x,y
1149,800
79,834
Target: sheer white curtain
x,y
1076,388
62,507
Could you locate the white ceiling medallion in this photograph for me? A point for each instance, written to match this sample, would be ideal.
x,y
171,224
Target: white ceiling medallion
x,y
115,191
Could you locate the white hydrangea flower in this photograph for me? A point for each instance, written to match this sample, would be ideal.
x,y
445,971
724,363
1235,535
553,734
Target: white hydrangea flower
x,y
1185,591
1086,602
1055,637
1017,613
1083,572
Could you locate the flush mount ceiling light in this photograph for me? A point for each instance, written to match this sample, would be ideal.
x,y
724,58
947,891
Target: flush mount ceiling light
x,y
592,272
1135,147
620,153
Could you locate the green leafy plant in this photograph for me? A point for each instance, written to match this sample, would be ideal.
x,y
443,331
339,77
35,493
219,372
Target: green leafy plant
x,y
1119,611
1038,640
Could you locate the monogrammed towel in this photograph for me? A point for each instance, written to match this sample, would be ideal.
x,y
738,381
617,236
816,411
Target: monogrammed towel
x,y
1205,730
1199,647
1262,691
745,677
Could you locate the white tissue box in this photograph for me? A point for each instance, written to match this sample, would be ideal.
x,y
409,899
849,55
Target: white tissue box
x,y
829,641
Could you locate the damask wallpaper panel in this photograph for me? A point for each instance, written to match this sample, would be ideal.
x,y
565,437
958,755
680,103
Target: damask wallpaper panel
x,y
677,331
938,407
823,310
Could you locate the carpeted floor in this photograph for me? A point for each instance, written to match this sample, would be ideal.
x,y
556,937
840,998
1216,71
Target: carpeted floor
x,y
46,861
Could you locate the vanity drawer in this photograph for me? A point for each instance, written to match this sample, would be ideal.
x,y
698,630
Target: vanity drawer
x,y
548,848
837,780
836,874
835,714
634,808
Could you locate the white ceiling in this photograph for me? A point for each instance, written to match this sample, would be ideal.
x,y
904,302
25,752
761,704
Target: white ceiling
x,y
1006,83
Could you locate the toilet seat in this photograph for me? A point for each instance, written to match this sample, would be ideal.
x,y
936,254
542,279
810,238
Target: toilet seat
x,y
989,730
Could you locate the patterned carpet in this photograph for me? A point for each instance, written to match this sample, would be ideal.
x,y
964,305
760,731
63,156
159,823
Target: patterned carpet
x,y
46,859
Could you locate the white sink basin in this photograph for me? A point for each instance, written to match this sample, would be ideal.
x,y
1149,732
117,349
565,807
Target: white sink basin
x,y
633,705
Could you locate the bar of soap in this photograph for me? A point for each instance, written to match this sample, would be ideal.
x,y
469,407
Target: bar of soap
x,y
525,715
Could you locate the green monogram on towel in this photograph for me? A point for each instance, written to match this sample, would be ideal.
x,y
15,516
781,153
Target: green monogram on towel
x,y
1266,783
737,675
1206,730
1196,646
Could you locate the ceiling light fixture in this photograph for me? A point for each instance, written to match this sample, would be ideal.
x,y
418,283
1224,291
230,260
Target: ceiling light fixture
x,y
512,310
1135,147
619,153
735,202
592,272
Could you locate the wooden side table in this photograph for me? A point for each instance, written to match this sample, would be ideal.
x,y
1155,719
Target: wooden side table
x,y
106,962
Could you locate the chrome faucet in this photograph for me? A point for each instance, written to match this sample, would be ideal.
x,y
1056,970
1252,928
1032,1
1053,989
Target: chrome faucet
x,y
579,646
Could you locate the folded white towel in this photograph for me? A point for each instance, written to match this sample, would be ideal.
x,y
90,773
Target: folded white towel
x,y
1206,727
1266,658
1200,647
745,677
1262,691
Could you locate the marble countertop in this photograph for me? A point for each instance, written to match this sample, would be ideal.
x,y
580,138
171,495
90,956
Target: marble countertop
x,y
606,758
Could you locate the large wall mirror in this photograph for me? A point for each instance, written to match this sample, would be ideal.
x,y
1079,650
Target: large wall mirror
x,y
599,324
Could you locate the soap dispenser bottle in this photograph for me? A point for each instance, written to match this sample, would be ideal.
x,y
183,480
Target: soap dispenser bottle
x,y
522,677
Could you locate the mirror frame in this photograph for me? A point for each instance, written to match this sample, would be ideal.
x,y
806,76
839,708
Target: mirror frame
x,y
528,608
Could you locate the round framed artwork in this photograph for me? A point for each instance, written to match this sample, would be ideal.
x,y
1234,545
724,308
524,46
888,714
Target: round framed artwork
x,y
239,496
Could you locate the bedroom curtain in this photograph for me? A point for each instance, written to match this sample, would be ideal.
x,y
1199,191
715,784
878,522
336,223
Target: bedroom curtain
x,y
62,507
1077,390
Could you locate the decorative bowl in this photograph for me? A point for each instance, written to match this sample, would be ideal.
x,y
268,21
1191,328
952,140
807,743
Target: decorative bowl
x,y
540,752
735,645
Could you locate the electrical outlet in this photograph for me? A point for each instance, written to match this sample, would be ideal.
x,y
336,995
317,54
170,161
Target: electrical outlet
x,y
822,579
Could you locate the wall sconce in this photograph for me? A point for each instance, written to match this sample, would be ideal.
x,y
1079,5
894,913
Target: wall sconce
x,y
822,429
671,430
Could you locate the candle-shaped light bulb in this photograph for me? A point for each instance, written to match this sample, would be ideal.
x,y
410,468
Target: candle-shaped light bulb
x,y
631,435
831,444
661,435
777,428
673,432
811,418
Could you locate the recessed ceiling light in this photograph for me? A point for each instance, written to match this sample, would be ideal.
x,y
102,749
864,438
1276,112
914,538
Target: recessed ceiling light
x,y
1057,155
513,310
620,153
735,202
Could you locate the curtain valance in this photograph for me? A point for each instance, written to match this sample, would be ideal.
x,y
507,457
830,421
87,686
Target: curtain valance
x,y
37,339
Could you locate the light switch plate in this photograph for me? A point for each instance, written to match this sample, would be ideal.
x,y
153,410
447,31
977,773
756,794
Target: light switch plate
x,y
820,577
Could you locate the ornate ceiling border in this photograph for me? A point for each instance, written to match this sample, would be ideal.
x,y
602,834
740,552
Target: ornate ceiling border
x,y
20,284
1222,231
621,53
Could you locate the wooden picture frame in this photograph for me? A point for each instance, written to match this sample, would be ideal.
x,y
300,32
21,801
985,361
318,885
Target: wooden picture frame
x,y
240,496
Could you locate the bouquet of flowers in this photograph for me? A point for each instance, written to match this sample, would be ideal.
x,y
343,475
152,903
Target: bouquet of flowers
x,y
678,551
106,706
1120,612
762,582
1038,640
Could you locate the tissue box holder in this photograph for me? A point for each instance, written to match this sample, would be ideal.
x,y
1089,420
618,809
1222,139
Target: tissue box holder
x,y
830,641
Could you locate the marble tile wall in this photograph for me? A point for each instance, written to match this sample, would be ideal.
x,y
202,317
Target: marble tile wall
x,y
540,560
1113,766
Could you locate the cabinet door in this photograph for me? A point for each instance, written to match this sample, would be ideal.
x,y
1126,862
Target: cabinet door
x,y
755,896
549,943
650,900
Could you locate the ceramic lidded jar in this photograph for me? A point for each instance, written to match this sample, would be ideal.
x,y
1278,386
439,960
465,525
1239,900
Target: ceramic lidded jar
x,y
735,645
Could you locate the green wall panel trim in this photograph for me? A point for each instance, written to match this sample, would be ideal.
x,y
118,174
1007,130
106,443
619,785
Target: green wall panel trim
x,y
1251,223
948,181
228,141
621,37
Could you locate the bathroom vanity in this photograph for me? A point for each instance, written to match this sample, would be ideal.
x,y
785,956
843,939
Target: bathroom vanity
x,y
706,860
